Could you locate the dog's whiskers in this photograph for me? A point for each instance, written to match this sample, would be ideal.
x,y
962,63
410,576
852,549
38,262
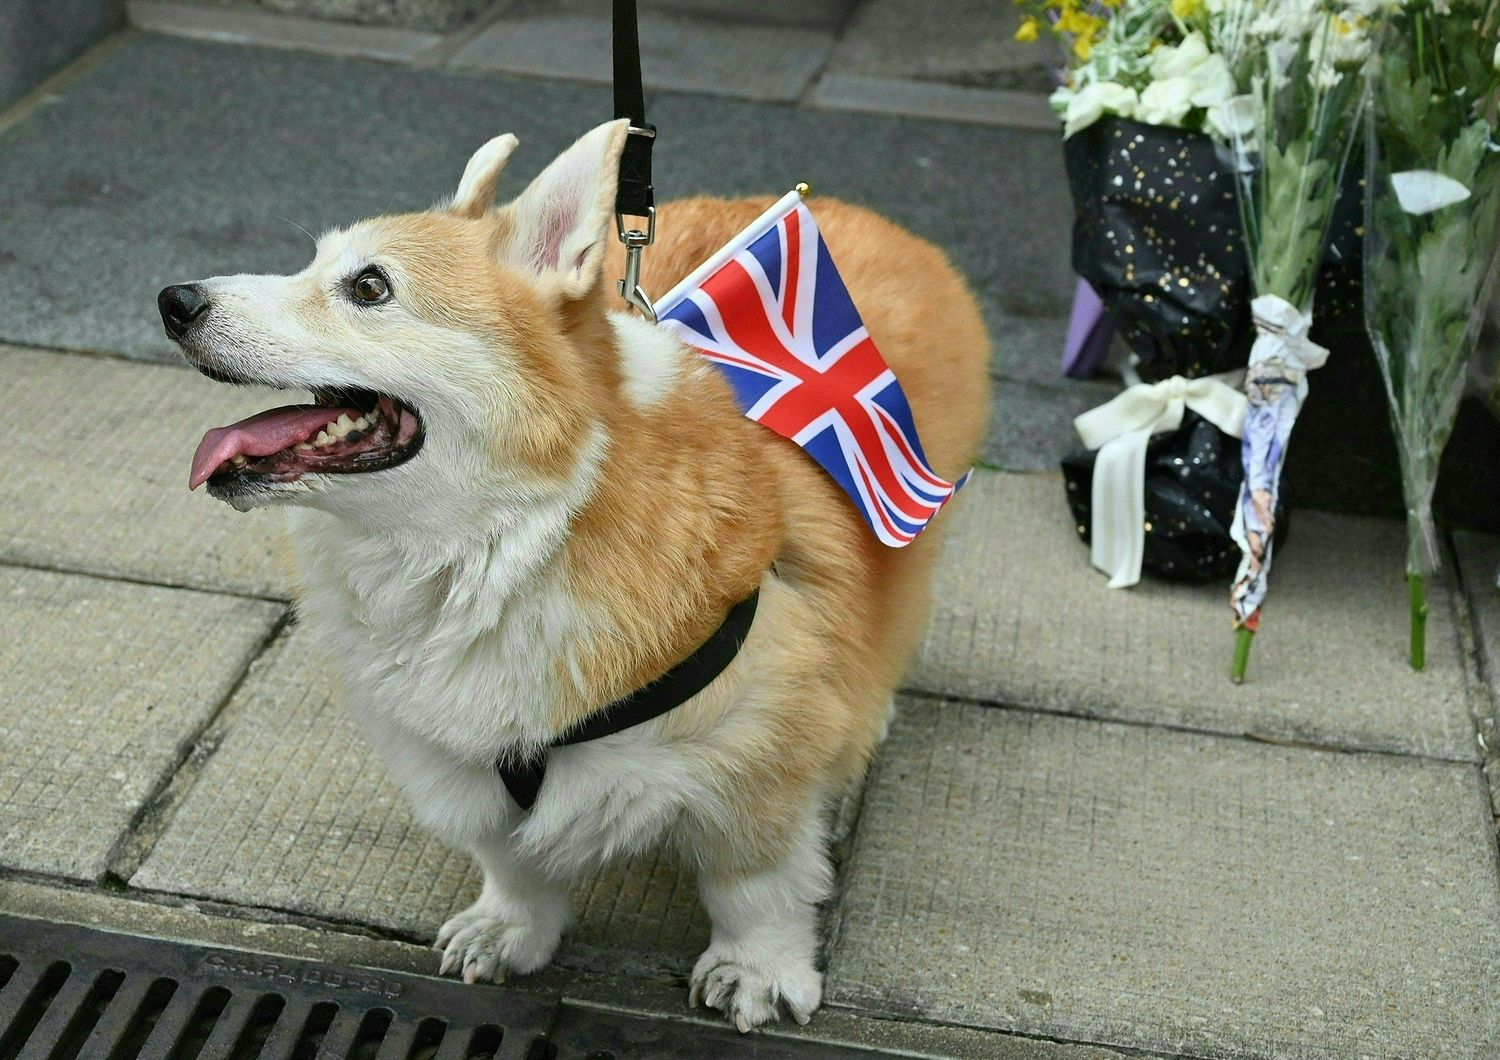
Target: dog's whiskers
x,y
299,228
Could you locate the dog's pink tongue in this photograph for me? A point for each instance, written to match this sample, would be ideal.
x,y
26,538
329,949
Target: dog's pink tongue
x,y
261,435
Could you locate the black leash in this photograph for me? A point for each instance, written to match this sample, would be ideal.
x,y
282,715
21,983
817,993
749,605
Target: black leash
x,y
635,196
523,777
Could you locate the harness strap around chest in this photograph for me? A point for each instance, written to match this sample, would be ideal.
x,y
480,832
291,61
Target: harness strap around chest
x,y
523,776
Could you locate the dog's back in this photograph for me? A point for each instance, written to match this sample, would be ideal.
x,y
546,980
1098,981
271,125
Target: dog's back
x,y
926,323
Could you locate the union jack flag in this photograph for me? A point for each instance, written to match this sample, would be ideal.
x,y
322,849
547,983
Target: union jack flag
x,y
772,312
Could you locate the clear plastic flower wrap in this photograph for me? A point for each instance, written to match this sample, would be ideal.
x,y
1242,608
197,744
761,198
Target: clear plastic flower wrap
x,y
1303,61
1431,238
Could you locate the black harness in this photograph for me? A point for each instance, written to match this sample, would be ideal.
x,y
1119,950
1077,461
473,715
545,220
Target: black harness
x,y
523,776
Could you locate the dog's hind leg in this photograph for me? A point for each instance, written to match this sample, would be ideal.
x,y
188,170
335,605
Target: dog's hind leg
x,y
764,947
515,925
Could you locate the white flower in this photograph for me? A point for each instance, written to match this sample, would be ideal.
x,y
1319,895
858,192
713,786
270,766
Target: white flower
x,y
1183,77
1166,102
1168,61
1093,101
1233,119
1339,40
1495,61
1212,81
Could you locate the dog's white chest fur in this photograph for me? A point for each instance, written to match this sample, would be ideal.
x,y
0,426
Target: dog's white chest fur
x,y
450,670
459,656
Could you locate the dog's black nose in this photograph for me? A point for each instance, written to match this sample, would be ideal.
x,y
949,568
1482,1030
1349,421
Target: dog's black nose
x,y
180,305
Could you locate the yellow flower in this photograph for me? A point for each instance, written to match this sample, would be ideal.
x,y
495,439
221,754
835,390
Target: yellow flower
x,y
1027,32
1083,47
1186,9
1079,23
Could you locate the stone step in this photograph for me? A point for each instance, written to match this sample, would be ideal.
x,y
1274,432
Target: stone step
x,y
105,686
763,62
967,43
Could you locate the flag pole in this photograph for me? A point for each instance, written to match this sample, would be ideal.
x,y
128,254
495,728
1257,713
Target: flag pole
x,y
739,243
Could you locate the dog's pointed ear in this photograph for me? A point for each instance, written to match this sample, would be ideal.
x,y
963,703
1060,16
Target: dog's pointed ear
x,y
476,189
560,225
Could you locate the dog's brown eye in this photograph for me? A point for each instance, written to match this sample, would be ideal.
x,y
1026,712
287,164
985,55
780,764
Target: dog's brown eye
x,y
370,287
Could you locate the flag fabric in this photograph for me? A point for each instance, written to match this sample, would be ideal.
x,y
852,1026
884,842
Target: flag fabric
x,y
772,312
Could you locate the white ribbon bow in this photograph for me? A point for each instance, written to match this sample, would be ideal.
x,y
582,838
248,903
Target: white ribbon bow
x,y
1120,429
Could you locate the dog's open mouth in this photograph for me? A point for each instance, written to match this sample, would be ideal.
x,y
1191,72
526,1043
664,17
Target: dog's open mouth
x,y
344,432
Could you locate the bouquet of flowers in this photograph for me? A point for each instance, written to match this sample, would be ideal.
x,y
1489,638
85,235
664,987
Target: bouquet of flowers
x,y
1161,62
1432,234
1303,60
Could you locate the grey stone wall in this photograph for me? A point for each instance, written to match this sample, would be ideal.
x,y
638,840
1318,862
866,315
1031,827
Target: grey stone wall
x,y
38,36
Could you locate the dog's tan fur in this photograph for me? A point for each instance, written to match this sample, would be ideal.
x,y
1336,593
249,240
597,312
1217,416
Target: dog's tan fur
x,y
861,606
689,509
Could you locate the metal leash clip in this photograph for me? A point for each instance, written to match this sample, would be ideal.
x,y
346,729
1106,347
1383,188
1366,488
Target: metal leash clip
x,y
636,241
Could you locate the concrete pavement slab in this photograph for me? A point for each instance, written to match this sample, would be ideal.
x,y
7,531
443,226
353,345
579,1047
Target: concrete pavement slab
x,y
246,25
1028,349
935,100
817,14
424,14
958,42
95,474
1031,426
106,684
174,160
724,58
1171,892
294,812
1022,618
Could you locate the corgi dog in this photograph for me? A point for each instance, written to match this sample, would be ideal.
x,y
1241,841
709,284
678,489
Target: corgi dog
x,y
513,502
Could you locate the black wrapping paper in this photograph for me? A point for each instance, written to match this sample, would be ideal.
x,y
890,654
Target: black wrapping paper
x,y
1157,234
1193,478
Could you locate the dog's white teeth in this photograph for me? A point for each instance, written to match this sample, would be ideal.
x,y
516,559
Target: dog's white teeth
x,y
342,426
323,438
303,447
239,461
362,423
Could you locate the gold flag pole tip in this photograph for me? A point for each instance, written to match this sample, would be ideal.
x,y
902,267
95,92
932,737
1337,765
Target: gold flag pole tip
x,y
803,188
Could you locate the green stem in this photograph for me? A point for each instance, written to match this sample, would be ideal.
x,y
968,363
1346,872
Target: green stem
x,y
1417,584
1242,639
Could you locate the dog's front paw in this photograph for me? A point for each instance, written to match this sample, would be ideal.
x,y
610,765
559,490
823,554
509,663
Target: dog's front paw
x,y
753,988
482,943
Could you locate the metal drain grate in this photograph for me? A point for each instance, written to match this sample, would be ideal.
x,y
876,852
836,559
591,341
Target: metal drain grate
x,y
76,993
